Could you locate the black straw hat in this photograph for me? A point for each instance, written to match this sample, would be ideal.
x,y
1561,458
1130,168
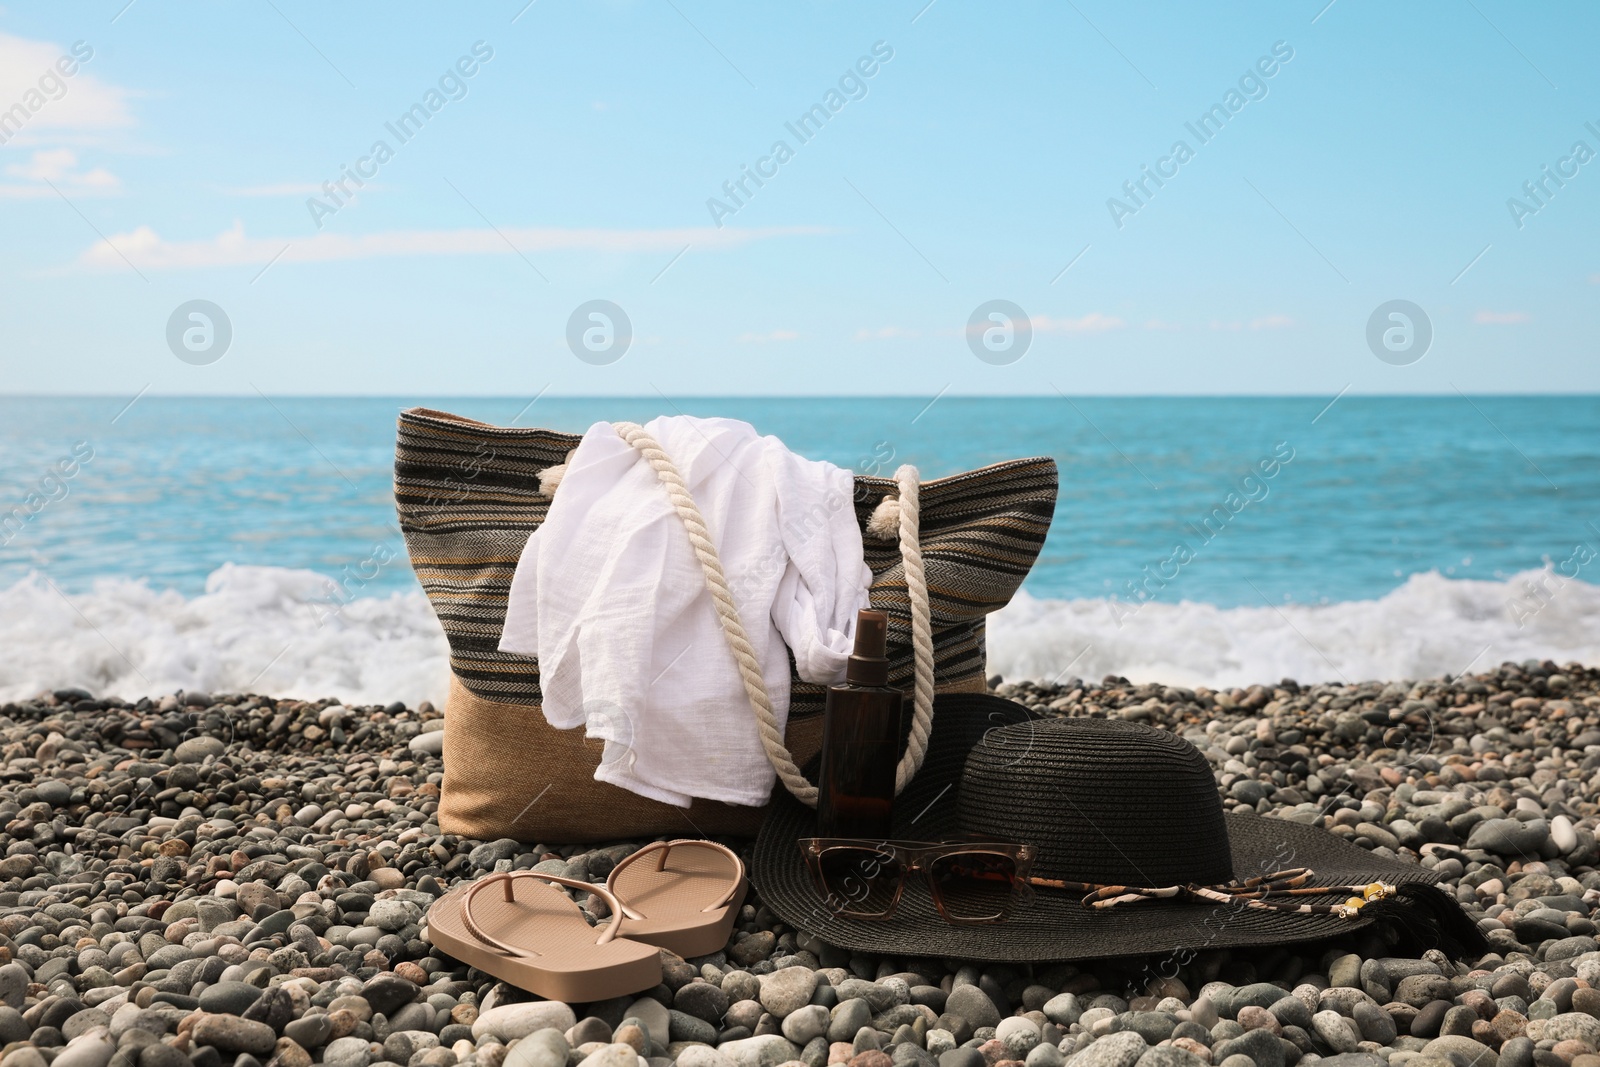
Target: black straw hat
x,y
1111,803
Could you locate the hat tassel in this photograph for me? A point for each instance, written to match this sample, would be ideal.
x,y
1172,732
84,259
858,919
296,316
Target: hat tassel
x,y
1419,917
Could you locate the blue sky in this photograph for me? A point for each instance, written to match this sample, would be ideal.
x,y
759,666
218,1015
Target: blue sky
x,y
580,158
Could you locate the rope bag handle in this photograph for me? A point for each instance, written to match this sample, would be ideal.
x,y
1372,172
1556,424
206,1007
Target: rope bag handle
x,y
755,686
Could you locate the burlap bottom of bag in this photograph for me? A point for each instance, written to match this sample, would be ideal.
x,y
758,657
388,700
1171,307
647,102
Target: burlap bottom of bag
x,y
549,796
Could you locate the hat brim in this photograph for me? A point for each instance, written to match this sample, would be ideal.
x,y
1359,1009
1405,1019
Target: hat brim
x,y
1054,926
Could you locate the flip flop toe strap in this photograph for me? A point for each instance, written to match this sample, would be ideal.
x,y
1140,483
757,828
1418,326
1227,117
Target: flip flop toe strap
x,y
508,880
664,848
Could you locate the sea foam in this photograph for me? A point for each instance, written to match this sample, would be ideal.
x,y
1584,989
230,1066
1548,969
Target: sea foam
x,y
277,631
1428,626
269,630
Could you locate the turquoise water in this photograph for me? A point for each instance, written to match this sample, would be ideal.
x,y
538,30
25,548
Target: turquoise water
x,y
1373,490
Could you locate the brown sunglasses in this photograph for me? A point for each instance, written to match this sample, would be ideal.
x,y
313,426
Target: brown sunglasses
x,y
971,882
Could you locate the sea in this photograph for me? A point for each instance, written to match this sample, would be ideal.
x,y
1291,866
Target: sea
x,y
249,544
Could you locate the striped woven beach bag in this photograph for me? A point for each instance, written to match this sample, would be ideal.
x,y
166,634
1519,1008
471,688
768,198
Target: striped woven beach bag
x,y
943,554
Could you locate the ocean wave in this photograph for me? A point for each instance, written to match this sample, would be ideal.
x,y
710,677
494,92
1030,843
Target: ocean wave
x,y
269,630
1428,626
281,632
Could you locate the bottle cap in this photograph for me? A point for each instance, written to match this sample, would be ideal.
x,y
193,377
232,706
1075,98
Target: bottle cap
x,y
868,663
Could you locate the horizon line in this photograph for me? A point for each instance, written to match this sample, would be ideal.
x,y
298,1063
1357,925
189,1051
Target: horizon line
x,y
799,396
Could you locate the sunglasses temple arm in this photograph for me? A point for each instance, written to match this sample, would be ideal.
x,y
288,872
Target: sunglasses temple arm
x,y
1057,883
1048,883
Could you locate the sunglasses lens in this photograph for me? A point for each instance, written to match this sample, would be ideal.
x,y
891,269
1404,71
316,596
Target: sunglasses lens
x,y
974,886
859,882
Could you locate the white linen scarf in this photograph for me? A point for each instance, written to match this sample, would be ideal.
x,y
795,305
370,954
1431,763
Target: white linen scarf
x,y
609,596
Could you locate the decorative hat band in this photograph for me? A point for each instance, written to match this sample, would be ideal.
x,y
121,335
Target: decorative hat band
x,y
1282,891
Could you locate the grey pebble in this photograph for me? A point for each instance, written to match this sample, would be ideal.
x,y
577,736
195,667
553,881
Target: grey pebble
x,y
806,1023
962,1057
347,1052
702,1000
1113,1050
1376,1024
1263,1048
972,1004
1518,1052
1292,1011
908,1054
310,1031
1154,1026
1429,1019
1345,971
1044,1054
787,990
1170,1056
681,1026
847,1018
1333,1028
741,985
542,1048
228,1033
1462,1052
588,1029
747,1013
199,749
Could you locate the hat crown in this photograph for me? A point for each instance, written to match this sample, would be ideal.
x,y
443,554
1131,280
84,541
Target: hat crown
x,y
1102,800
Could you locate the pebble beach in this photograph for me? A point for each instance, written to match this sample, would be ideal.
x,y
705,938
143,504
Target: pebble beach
x,y
232,880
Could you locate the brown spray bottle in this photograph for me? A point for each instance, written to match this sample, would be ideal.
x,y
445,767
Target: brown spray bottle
x,y
861,740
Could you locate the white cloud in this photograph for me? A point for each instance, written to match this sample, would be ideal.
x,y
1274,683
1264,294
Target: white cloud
x,y
1093,322
1264,322
58,167
148,250
31,80
1500,318
762,338
887,333
43,107
295,189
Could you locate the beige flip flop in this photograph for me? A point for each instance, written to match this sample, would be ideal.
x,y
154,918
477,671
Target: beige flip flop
x,y
542,943
685,899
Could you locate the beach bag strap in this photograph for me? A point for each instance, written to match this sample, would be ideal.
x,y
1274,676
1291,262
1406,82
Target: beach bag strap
x,y
750,670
